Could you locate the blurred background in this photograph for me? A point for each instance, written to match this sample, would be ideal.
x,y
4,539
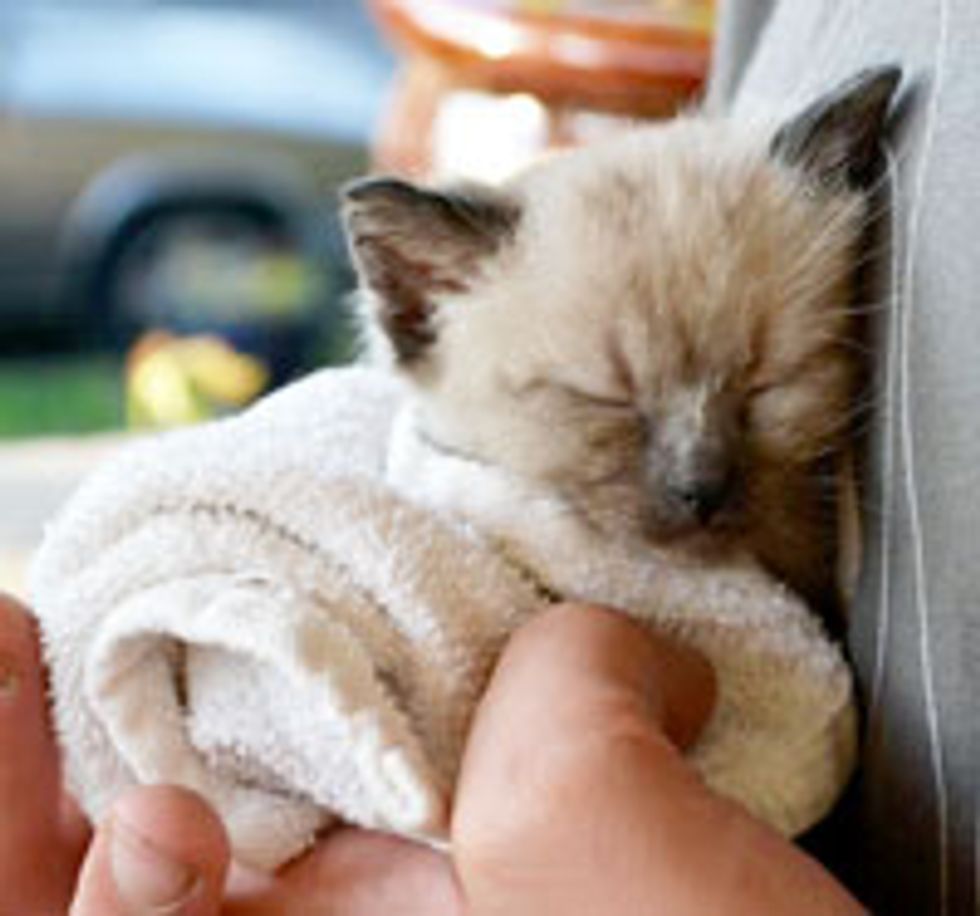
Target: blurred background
x,y
169,247
169,165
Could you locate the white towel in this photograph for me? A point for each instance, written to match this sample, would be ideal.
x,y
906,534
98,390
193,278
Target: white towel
x,y
295,611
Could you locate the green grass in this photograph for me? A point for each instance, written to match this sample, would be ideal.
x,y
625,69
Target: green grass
x,y
60,395
70,394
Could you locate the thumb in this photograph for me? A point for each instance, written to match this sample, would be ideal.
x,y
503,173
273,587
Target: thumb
x,y
583,715
161,851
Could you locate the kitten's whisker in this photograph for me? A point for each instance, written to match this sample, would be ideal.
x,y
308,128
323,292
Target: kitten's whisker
x,y
817,290
867,513
861,409
809,290
816,251
871,308
852,423
817,248
853,346
872,253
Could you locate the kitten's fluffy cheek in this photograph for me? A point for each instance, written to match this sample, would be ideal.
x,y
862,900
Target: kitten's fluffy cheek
x,y
495,432
619,509
791,424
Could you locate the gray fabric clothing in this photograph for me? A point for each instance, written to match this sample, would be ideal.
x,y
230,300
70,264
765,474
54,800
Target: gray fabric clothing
x,y
915,626
742,22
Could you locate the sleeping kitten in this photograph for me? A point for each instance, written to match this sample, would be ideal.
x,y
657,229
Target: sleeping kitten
x,y
656,328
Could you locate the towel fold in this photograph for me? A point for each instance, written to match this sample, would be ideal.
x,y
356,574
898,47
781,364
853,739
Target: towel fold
x,y
295,611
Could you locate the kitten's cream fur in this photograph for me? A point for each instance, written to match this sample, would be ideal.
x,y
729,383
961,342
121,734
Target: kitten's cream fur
x,y
655,327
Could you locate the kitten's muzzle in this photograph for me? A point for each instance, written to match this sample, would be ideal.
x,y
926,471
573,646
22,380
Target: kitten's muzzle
x,y
703,499
697,488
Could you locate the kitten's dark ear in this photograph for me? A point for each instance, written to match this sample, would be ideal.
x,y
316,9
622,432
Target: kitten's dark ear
x,y
410,244
835,140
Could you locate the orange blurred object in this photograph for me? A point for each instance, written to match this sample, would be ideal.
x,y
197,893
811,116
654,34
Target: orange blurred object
x,y
586,65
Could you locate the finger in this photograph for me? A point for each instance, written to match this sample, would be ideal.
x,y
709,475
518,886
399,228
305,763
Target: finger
x,y
574,796
29,775
576,716
76,831
594,657
576,676
356,873
161,850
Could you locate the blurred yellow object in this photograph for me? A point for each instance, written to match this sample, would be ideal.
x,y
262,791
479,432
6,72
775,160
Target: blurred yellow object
x,y
540,7
172,381
696,11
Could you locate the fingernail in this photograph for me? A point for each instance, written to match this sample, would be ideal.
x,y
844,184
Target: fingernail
x,y
147,880
9,678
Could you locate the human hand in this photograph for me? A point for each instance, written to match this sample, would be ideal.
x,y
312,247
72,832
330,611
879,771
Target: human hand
x,y
162,850
573,798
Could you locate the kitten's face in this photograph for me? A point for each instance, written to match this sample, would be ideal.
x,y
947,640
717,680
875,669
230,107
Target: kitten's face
x,y
665,324
656,328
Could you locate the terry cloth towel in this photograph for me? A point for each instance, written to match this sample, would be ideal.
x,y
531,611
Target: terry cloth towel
x,y
295,611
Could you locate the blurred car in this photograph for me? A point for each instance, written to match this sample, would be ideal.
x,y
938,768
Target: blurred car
x,y
174,162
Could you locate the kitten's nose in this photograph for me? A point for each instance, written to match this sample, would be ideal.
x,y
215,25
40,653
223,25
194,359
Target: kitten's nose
x,y
703,499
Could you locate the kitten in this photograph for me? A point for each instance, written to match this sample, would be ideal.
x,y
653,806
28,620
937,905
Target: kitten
x,y
656,328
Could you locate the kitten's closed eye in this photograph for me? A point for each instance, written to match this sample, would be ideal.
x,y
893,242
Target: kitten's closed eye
x,y
762,387
620,402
